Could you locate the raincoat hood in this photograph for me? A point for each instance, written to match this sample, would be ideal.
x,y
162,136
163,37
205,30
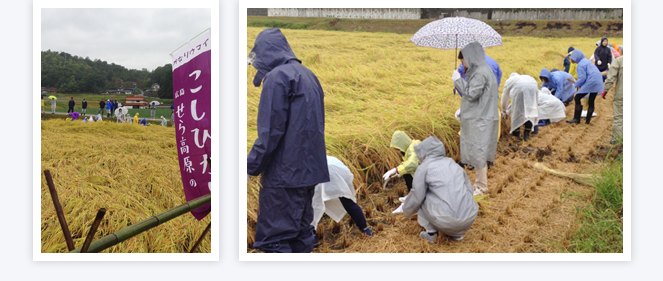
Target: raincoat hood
x,y
570,49
577,56
430,147
271,50
400,140
473,55
601,42
545,73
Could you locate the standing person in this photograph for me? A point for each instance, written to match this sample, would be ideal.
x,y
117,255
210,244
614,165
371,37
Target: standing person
x,y
479,120
494,66
153,110
102,106
53,102
603,56
290,150
42,105
72,103
589,83
405,144
172,113
441,194
523,109
337,197
115,106
109,107
567,60
615,79
136,119
84,107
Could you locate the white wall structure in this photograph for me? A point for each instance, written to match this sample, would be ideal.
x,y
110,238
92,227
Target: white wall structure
x,y
346,13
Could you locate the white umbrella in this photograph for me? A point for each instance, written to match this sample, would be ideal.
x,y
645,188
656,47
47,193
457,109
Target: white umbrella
x,y
155,103
125,110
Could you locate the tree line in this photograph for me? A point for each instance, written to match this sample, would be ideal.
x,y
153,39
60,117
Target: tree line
x,y
73,74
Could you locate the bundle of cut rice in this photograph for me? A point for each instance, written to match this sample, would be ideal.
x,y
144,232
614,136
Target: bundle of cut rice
x,y
586,179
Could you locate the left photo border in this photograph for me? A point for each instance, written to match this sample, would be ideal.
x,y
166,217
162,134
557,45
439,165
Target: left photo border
x,y
37,174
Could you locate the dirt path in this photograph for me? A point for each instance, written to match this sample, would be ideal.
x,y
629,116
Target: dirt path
x,y
527,211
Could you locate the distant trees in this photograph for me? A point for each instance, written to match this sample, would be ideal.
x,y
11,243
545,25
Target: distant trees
x,y
71,74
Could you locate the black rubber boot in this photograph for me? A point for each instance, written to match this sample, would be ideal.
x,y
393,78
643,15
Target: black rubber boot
x,y
590,111
576,115
526,133
516,134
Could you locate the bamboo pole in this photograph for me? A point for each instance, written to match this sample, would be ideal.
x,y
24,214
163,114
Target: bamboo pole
x,y
195,246
133,230
93,229
58,210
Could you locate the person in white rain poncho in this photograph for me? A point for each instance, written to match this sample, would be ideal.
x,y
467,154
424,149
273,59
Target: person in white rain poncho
x,y
337,197
164,122
550,107
441,194
479,118
522,90
120,116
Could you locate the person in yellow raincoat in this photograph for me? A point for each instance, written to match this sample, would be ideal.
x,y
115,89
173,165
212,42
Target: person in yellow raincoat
x,y
136,118
410,162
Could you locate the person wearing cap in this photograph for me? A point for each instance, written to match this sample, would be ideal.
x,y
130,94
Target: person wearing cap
x,y
289,153
109,107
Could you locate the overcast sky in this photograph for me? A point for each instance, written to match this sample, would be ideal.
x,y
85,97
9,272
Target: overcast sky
x,y
133,38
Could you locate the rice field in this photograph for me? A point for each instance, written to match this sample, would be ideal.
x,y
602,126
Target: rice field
x,y
130,170
376,83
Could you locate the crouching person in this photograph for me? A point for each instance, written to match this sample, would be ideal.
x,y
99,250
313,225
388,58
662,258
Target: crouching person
x,y
337,197
441,194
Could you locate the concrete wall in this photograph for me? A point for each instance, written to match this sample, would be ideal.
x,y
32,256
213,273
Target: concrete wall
x,y
525,14
256,12
349,13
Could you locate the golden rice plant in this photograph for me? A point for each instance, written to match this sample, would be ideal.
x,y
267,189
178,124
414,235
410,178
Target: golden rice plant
x,y
130,170
586,179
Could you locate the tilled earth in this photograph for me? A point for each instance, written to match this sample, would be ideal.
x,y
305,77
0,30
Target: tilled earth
x,y
528,210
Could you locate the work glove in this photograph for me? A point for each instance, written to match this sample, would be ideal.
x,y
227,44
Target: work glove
x,y
608,65
603,94
455,76
402,199
399,209
598,63
390,173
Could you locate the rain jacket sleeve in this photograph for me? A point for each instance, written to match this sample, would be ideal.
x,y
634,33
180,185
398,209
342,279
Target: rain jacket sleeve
x,y
582,77
613,74
417,195
272,123
410,161
472,90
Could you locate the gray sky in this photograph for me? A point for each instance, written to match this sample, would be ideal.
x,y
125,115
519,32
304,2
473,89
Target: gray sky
x,y
133,38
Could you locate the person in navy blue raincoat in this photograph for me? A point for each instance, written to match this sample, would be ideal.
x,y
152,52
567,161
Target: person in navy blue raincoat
x,y
589,82
289,153
559,83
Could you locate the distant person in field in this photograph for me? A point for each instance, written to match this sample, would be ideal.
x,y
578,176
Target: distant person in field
x,y
109,107
172,113
589,84
53,104
153,110
84,107
102,106
559,83
290,153
42,105
115,106
479,118
143,122
136,118
74,116
401,141
72,103
164,122
567,60
615,79
523,109
337,197
441,194
603,57
616,51
120,116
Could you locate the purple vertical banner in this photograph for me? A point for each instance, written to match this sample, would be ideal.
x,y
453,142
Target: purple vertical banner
x,y
193,121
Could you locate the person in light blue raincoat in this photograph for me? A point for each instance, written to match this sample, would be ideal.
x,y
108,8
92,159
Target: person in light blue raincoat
x,y
290,153
590,83
493,66
559,83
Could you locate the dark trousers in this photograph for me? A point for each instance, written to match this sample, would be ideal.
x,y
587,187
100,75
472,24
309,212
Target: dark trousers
x,y
578,108
354,211
408,181
284,220
71,109
528,128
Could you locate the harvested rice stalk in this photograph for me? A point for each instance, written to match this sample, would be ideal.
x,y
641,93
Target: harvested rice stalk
x,y
586,179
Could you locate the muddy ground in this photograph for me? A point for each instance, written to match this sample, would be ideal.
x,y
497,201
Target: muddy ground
x,y
528,210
